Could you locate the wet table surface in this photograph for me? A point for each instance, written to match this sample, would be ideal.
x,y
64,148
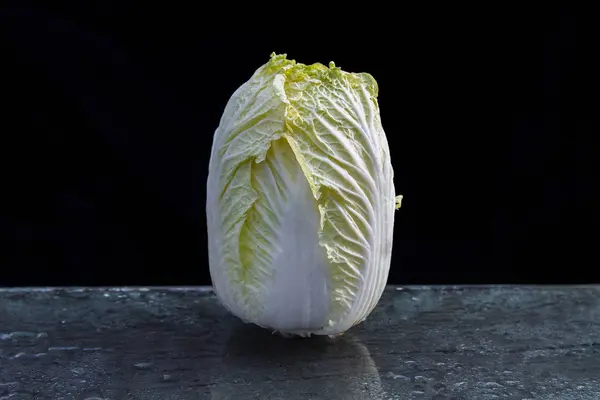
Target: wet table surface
x,y
419,343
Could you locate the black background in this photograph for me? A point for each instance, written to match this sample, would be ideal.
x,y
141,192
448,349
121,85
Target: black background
x,y
109,113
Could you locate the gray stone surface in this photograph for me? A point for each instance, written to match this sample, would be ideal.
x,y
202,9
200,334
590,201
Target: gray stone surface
x,y
420,343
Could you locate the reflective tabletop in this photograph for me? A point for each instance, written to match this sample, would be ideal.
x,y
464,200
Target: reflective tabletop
x,y
447,342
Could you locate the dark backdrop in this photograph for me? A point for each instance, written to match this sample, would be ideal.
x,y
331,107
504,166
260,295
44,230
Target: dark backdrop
x,y
109,113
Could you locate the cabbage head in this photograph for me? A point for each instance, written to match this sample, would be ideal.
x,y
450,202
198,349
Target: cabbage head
x,y
301,199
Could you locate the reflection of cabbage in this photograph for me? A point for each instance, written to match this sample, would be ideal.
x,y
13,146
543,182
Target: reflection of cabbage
x,y
301,199
256,364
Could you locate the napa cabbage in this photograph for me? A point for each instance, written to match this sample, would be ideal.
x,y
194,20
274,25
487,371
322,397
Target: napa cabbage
x,y
301,199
